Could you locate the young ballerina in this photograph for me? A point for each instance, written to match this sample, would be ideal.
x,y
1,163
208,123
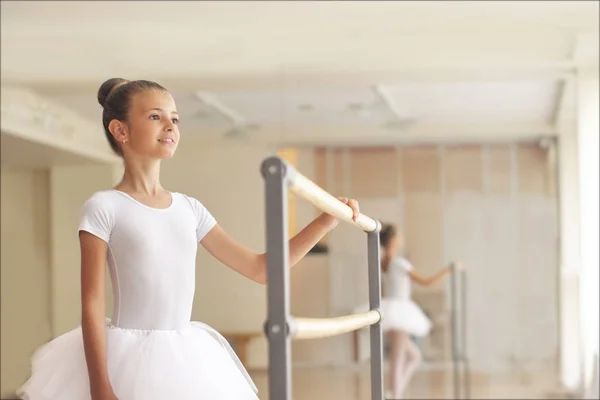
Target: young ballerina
x,y
149,350
402,317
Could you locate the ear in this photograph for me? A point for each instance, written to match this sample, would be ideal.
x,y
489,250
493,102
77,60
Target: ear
x,y
118,130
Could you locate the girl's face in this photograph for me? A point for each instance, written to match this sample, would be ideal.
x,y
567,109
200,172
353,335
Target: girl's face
x,y
151,129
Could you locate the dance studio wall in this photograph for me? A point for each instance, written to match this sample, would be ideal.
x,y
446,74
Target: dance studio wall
x,y
25,270
493,207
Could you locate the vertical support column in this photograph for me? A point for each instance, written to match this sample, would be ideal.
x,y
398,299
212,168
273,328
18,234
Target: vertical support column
x,y
568,189
464,356
454,330
275,172
588,133
373,257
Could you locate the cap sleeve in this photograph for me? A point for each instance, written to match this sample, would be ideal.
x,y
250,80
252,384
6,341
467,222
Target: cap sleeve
x,y
97,217
205,220
403,264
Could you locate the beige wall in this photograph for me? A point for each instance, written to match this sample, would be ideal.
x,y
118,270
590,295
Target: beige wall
x,y
25,259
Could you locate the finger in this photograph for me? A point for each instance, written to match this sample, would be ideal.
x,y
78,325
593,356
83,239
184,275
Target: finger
x,y
355,209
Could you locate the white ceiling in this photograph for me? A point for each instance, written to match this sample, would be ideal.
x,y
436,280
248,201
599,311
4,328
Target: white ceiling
x,y
275,113
305,72
179,40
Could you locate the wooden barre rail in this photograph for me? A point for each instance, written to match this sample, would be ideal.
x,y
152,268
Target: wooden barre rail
x,y
311,192
313,328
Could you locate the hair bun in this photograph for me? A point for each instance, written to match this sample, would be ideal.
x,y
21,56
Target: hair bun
x,y
107,87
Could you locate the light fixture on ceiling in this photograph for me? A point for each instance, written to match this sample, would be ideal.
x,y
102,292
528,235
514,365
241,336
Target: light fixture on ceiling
x,y
239,126
240,132
366,110
397,124
402,118
361,109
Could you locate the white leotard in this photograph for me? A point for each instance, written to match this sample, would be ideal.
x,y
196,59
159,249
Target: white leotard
x,y
151,256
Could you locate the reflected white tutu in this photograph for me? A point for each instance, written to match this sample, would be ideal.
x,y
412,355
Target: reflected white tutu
x,y
192,363
402,314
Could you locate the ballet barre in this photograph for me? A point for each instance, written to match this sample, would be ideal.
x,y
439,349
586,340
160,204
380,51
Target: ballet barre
x,y
314,328
281,327
307,189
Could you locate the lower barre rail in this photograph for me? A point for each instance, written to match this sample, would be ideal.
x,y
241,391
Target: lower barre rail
x,y
313,328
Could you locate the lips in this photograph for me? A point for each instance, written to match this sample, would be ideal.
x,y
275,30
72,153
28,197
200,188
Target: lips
x,y
166,140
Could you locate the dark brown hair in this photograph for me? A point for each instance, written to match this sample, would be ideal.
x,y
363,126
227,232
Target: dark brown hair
x,y
387,233
115,96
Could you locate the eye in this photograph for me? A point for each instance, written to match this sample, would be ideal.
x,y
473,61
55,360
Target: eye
x,y
154,115
175,121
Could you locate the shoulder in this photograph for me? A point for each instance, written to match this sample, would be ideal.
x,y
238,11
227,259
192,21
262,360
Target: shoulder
x,y
102,200
204,219
403,264
200,211
97,214
194,203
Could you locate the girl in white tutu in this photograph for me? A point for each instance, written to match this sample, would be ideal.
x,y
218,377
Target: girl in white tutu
x,y
402,317
149,349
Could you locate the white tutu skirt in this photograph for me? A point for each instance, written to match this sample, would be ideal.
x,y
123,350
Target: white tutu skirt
x,y
194,363
402,315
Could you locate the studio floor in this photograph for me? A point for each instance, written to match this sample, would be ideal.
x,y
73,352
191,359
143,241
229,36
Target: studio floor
x,y
353,383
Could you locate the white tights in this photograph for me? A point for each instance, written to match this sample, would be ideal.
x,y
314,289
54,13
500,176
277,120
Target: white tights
x,y
405,358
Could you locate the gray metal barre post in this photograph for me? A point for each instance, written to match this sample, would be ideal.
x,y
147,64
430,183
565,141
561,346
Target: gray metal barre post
x,y
277,329
373,258
278,175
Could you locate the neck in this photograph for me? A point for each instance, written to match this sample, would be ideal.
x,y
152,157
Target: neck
x,y
141,176
390,253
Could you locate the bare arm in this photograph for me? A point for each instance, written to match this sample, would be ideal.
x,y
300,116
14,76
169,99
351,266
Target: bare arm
x,y
431,280
253,265
93,264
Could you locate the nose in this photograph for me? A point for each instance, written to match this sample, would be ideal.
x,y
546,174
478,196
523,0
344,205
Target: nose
x,y
169,127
